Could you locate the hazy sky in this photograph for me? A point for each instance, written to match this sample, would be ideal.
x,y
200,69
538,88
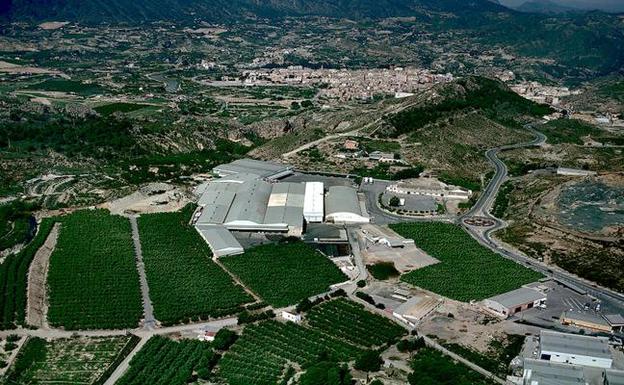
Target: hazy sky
x,y
607,5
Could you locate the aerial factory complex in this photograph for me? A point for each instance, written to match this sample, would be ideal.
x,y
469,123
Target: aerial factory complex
x,y
248,196
312,192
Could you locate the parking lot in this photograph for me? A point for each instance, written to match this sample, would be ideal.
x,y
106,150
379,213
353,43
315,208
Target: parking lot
x,y
559,299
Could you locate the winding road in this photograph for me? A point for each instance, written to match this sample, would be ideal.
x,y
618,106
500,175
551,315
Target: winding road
x,y
611,300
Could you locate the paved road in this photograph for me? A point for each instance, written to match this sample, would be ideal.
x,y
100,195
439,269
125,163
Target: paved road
x,y
612,300
149,322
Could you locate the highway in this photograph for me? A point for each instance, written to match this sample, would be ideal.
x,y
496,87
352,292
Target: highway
x,y
611,300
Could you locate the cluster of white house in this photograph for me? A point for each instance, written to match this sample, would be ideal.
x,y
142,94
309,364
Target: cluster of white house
x,y
249,197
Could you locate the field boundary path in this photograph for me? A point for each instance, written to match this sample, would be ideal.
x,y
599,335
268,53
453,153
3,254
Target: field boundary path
x,y
36,289
149,322
237,280
125,364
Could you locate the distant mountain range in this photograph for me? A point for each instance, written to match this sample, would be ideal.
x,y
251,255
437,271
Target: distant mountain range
x,y
219,10
545,6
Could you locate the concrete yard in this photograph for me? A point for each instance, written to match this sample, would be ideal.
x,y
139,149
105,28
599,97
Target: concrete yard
x,y
405,259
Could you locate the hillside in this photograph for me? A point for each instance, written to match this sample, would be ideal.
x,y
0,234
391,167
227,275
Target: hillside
x,y
97,11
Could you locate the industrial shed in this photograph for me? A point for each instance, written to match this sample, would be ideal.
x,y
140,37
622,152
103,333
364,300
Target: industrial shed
x,y
613,377
220,240
575,349
507,304
585,320
261,169
537,372
343,206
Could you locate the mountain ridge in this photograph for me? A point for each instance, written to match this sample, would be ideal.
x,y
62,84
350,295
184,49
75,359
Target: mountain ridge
x,y
93,11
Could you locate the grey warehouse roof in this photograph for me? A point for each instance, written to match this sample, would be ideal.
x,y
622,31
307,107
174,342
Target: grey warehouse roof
x,y
259,168
285,204
250,202
614,377
518,297
549,373
614,319
220,240
587,317
575,344
341,199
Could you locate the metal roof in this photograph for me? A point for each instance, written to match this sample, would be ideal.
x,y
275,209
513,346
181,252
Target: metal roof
x,y
250,202
220,240
518,297
314,199
342,199
260,168
285,204
574,344
614,319
585,317
614,377
539,372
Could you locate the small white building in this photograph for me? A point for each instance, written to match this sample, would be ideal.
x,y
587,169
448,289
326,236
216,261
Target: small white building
x,y
292,317
314,202
507,304
538,372
207,336
575,349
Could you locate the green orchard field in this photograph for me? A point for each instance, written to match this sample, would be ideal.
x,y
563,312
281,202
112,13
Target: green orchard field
x,y
82,360
93,279
14,278
346,319
166,362
284,274
265,351
467,271
184,283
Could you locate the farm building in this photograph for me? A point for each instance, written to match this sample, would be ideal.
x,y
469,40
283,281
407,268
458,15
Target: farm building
x,y
261,169
507,304
538,372
314,202
585,320
575,349
343,206
292,317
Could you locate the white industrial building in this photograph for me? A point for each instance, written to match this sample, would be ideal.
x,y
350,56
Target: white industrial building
x,y
261,169
575,349
314,202
507,304
429,187
343,206
538,372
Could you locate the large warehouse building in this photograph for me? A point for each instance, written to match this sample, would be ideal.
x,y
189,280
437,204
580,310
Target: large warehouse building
x,y
575,349
507,304
248,197
343,206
